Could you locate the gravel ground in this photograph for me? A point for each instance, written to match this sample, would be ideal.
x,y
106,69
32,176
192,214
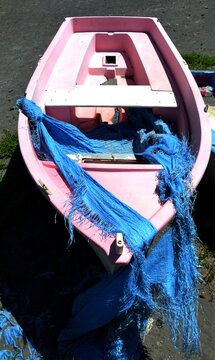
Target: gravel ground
x,y
30,237
27,27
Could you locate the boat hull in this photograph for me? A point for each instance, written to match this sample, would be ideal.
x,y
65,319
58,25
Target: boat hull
x,y
138,55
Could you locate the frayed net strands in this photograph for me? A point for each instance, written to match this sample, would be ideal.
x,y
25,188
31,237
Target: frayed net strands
x,y
166,279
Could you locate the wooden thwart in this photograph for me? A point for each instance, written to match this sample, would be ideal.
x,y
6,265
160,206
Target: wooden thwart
x,y
120,95
95,157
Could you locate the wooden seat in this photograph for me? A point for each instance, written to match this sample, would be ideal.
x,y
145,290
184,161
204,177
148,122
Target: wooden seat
x,y
93,157
124,96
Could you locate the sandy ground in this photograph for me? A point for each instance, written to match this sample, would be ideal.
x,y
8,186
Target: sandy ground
x,y
32,243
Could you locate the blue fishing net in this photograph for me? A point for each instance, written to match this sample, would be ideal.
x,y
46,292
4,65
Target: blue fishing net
x,y
14,338
165,280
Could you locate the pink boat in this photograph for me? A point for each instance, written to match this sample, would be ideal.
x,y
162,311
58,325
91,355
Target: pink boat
x,y
140,67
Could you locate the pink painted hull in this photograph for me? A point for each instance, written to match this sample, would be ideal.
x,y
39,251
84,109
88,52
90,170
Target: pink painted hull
x,y
139,55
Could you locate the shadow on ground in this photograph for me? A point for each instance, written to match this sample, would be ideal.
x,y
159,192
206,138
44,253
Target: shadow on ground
x,y
39,275
203,209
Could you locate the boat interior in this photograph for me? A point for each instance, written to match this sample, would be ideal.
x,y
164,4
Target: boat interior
x,y
99,75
